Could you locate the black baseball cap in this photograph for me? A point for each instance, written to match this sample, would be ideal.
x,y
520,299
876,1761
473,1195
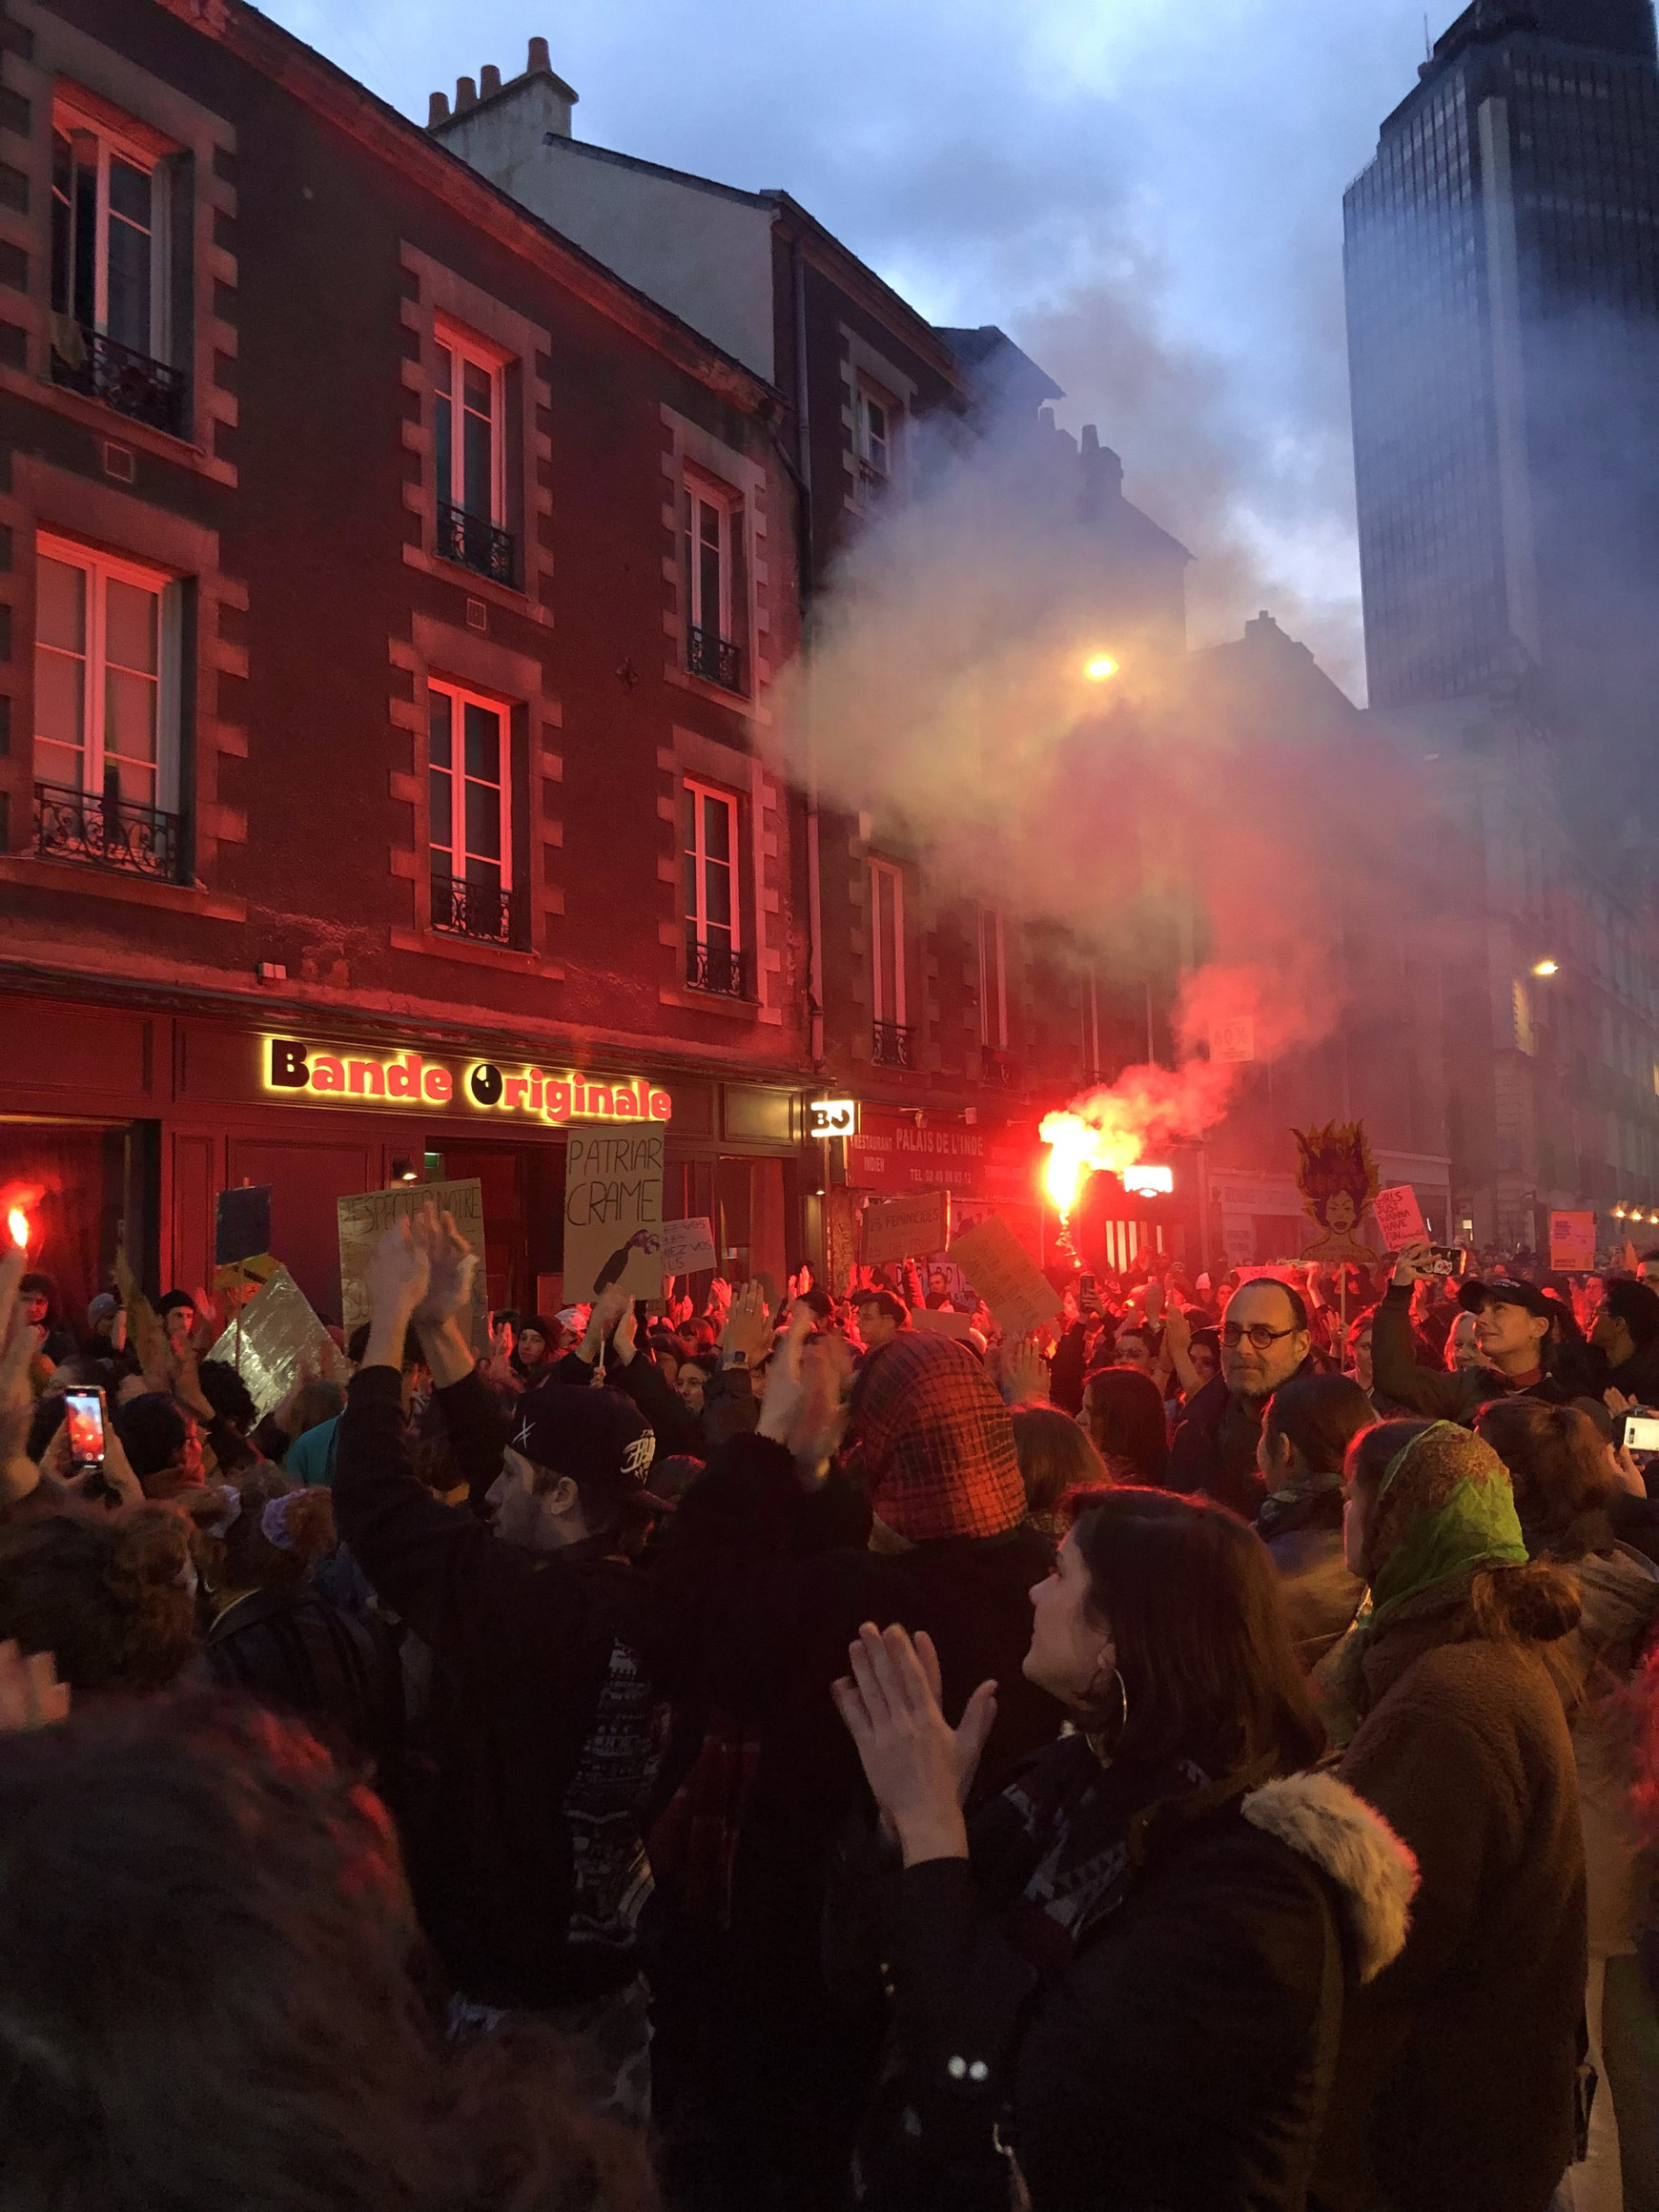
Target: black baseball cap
x,y
1507,1290
595,1437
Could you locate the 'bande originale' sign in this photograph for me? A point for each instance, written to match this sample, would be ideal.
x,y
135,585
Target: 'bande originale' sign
x,y
296,1070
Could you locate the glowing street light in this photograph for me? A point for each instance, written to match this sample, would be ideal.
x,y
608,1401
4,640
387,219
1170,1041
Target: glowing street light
x,y
1100,670
1544,968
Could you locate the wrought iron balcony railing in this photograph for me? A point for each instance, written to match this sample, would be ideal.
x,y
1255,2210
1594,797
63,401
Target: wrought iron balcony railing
x,y
474,542
104,831
893,1045
717,969
714,658
123,378
481,911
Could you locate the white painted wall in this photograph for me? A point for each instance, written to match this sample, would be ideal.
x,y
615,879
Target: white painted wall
x,y
705,257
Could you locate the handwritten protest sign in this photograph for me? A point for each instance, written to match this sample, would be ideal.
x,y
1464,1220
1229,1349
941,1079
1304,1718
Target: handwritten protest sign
x,y
613,1210
905,1228
1398,1216
364,1219
1006,1276
688,1245
1572,1243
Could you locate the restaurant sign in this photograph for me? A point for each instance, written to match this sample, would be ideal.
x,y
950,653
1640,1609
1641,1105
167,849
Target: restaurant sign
x,y
295,1068
893,1152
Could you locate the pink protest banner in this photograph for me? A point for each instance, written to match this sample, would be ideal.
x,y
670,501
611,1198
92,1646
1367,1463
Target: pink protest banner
x,y
1399,1216
1572,1243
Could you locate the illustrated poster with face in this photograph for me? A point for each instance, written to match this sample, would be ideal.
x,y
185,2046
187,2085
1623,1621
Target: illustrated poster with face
x,y
1338,1179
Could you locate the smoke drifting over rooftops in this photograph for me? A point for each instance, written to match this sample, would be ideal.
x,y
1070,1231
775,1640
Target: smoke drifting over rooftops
x,y
1176,824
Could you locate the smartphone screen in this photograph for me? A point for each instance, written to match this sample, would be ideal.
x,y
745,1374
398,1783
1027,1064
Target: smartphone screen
x,y
1086,1287
1640,1432
85,1428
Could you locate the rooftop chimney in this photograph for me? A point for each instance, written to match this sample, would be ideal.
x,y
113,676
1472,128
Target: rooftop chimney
x,y
465,94
539,58
489,80
1103,465
437,109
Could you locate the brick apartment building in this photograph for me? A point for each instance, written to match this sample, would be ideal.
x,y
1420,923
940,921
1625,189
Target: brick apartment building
x,y
952,1024
391,598
403,532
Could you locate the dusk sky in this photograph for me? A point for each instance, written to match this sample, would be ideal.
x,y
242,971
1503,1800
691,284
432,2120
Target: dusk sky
x,y
1146,196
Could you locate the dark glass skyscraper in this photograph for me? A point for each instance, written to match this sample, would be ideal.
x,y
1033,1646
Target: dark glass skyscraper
x,y
1502,293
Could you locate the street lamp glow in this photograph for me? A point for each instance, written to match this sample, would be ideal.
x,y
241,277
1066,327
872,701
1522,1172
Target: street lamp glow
x,y
1544,968
1100,670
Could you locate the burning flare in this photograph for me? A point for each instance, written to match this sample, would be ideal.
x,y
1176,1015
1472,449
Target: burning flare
x,y
1117,1126
17,1221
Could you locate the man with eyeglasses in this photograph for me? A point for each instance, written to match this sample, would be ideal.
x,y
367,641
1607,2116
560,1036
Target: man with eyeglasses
x,y
1264,1342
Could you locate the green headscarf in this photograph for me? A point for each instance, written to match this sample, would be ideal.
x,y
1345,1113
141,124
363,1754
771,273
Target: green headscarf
x,y
1475,1525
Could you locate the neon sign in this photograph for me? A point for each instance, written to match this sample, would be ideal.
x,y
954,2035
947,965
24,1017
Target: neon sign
x,y
294,1069
833,1117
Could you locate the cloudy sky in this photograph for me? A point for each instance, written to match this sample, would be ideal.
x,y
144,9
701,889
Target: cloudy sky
x,y
1146,194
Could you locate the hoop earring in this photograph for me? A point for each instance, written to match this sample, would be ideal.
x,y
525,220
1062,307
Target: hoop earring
x,y
1102,1742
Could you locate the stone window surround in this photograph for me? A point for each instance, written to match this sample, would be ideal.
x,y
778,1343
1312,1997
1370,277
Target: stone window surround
x,y
727,768
61,51
445,650
692,447
861,360
443,295
61,503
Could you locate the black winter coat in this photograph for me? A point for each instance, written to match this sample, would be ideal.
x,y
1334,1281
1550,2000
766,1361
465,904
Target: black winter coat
x,y
1210,1454
1178,2055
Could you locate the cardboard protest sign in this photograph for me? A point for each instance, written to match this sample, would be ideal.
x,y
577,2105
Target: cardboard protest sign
x,y
1572,1243
277,1343
364,1219
941,1322
613,1210
1398,1216
241,1223
905,1228
688,1245
1006,1276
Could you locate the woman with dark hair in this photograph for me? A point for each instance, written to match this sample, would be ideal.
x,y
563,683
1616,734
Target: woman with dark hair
x,y
205,1984
1056,1458
1123,1415
272,1636
1565,1490
38,1309
1128,1977
1455,2083
1307,1428
162,1439
536,1350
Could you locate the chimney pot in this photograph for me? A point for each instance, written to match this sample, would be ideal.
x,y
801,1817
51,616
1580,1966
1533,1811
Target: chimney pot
x,y
465,94
1091,439
489,80
539,58
437,109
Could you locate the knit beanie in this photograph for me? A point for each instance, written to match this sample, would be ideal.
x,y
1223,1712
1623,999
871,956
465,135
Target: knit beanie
x,y
935,1442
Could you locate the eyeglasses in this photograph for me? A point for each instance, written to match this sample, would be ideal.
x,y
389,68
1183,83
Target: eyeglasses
x,y
1259,1334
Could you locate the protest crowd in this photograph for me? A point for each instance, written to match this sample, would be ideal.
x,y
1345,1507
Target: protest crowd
x,y
1202,1753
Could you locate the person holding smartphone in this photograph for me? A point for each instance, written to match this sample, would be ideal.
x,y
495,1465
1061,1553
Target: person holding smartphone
x,y
1515,1334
